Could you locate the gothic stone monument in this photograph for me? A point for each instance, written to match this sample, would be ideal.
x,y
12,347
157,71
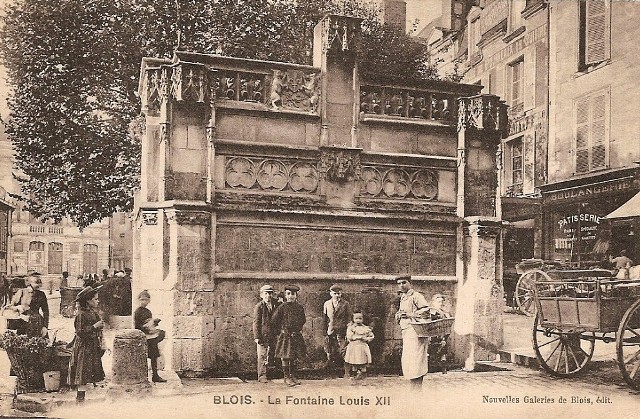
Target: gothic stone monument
x,y
259,172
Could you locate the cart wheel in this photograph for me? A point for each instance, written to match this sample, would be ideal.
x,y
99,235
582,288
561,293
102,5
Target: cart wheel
x,y
524,290
628,346
562,354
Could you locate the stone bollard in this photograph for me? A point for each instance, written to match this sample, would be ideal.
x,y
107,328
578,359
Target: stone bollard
x,y
129,364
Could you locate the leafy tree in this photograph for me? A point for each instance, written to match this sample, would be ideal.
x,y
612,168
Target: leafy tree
x,y
73,69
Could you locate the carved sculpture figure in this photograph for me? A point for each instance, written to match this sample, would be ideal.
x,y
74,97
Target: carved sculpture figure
x,y
311,87
276,89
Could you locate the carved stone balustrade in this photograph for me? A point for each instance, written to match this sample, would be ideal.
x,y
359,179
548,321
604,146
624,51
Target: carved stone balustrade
x,y
269,86
437,101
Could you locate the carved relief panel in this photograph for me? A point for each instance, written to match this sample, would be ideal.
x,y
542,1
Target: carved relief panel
x,y
384,182
271,174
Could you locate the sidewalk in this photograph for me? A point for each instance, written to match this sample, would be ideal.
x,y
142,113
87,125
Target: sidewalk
x,y
62,328
504,390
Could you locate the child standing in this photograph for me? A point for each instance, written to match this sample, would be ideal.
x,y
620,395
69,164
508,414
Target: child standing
x,y
143,320
288,320
86,364
358,354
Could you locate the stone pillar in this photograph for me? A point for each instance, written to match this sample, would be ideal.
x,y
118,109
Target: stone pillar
x,y
478,327
173,247
130,372
335,46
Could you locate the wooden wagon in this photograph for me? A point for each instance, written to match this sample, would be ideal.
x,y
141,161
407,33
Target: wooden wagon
x,y
575,308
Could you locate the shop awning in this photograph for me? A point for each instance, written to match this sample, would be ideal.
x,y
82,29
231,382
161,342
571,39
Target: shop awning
x,y
629,209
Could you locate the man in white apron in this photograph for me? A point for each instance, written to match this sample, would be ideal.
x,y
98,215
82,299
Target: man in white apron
x,y
415,355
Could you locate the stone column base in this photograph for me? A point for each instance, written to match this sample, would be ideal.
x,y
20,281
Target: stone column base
x,y
134,391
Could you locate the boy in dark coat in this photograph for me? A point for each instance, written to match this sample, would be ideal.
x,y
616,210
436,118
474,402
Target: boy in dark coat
x,y
263,335
143,320
289,319
337,314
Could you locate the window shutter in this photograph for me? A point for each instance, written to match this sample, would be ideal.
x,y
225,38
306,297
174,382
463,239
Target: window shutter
x,y
582,135
598,134
597,31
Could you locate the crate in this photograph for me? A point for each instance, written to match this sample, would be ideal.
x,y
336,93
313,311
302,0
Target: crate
x,y
440,327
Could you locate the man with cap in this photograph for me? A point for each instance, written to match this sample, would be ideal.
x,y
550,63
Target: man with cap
x,y
262,333
289,318
337,314
415,350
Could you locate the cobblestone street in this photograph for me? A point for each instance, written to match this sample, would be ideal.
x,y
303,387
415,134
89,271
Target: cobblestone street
x,y
510,391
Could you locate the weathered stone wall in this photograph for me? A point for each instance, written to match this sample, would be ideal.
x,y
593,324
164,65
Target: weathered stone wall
x,y
309,250
213,328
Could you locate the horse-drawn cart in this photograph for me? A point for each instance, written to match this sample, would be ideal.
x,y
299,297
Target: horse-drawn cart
x,y
576,307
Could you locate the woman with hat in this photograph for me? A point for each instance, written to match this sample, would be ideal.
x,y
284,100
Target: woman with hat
x,y
86,365
289,318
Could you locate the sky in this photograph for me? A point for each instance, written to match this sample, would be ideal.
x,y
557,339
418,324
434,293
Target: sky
x,y
423,10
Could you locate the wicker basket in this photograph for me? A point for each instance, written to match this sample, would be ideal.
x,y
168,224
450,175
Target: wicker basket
x,y
28,368
440,327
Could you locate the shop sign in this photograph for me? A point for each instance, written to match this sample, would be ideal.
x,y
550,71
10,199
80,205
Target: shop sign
x,y
531,37
590,190
571,219
568,227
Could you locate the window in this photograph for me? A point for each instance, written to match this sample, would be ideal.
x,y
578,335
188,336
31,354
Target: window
x,y
36,255
515,16
595,32
55,258
592,132
457,14
74,248
90,259
4,231
516,83
474,36
36,246
516,163
18,246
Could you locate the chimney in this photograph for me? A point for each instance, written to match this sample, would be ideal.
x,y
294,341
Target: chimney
x,y
394,12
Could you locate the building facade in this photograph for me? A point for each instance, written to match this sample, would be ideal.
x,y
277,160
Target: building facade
x,y
47,247
566,71
259,172
593,147
503,45
121,227
5,231
54,248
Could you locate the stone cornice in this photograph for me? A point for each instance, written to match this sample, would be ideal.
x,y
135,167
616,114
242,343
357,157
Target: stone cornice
x,y
334,277
532,9
514,34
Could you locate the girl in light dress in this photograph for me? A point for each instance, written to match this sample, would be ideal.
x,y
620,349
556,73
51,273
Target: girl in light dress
x,y
358,355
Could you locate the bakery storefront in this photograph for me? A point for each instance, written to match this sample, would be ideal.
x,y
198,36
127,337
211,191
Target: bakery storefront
x,y
576,229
